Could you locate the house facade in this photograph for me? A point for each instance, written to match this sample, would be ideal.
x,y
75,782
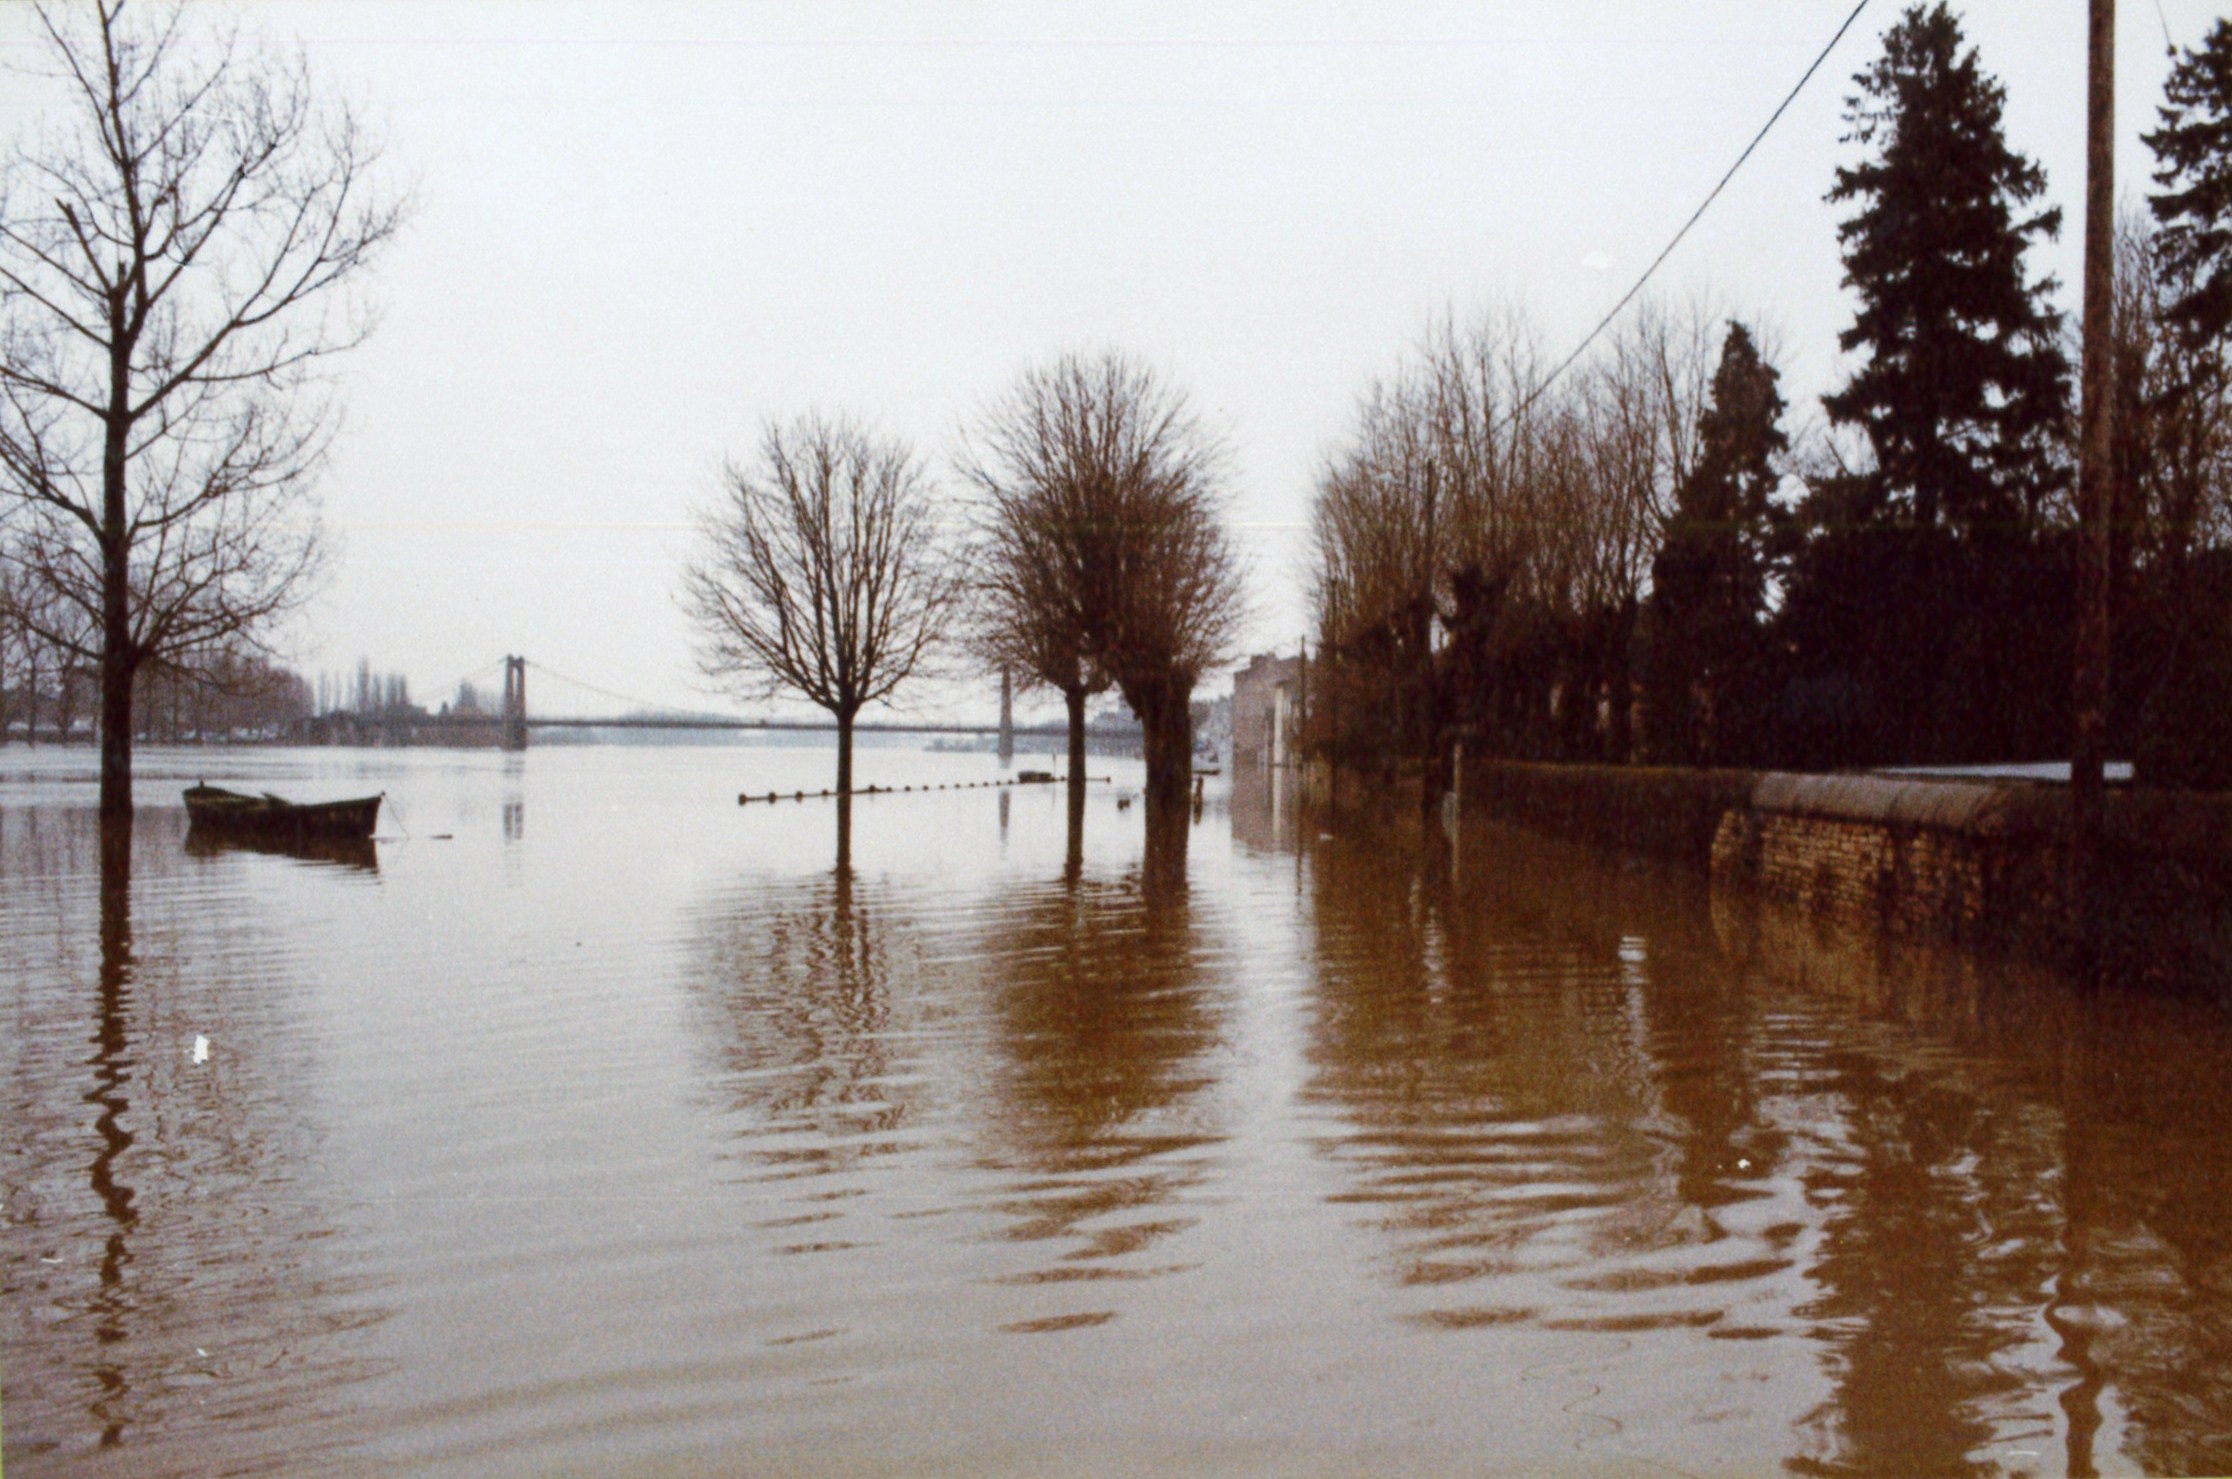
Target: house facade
x,y
1267,710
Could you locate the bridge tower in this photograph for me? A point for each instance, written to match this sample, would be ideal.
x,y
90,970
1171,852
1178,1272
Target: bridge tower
x,y
1007,717
512,734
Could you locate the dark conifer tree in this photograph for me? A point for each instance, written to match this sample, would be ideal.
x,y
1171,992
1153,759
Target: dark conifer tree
x,y
2193,173
2180,735
1709,580
1927,615
1965,385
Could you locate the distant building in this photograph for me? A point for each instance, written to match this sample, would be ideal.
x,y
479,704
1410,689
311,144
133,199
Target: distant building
x,y
1213,728
1267,710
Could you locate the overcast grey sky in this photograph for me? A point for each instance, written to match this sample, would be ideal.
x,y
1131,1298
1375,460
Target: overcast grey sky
x,y
641,228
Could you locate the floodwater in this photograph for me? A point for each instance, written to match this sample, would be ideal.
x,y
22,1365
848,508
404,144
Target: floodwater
x,y
596,1124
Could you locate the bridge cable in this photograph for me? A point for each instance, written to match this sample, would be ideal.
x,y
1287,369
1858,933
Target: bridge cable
x,y
443,693
623,698
1041,727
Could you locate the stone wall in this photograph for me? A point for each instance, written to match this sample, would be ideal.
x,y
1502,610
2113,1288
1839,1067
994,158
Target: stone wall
x,y
1973,862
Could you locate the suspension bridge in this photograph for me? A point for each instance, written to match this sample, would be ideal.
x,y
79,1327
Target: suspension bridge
x,y
511,721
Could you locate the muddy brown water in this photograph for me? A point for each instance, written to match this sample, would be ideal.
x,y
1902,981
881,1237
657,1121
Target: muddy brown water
x,y
594,1124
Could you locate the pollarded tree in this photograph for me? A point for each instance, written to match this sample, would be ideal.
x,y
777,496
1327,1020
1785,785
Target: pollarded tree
x,y
1166,579
1965,385
821,571
1029,584
178,243
1116,559
1709,580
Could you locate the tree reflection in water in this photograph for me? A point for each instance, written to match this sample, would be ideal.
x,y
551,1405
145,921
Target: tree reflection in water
x,y
1532,1050
1983,1206
112,1067
2021,1215
1104,1038
161,1245
799,973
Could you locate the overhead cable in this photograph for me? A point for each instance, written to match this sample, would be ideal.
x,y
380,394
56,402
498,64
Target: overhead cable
x,y
1668,250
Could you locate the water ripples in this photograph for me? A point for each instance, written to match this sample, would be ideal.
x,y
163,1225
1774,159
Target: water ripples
x,y
623,1130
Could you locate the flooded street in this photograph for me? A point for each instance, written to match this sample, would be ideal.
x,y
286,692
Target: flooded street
x,y
601,1125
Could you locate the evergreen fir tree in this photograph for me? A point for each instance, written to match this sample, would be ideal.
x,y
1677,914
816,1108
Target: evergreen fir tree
x,y
1709,580
2193,170
1965,383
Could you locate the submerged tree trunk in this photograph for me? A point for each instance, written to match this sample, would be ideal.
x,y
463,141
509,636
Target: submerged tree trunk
x,y
1163,864
1073,854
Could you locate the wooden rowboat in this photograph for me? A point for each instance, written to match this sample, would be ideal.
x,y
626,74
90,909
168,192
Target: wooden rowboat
x,y
216,810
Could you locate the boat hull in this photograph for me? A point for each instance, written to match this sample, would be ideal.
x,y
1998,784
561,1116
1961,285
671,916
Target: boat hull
x,y
228,813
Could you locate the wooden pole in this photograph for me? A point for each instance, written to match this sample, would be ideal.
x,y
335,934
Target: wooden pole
x,y
2095,480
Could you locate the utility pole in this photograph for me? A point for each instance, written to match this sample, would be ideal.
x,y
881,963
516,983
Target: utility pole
x,y
2095,481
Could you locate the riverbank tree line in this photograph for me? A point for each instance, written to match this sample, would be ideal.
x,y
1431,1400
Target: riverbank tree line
x,y
1652,559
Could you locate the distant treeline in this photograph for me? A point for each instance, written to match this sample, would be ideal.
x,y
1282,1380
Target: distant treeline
x,y
50,695
1643,561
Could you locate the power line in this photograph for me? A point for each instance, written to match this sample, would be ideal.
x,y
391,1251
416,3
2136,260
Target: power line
x,y
1606,322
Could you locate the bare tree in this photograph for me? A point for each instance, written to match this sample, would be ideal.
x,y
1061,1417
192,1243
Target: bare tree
x,y
1029,588
177,246
1178,603
1107,556
822,571
1483,541
2173,433
2172,455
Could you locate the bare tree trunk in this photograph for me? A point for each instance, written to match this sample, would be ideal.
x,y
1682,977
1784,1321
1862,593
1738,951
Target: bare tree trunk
x,y
1166,727
1074,700
116,618
844,751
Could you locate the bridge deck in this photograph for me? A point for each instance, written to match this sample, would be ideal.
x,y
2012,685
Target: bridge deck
x,y
824,726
